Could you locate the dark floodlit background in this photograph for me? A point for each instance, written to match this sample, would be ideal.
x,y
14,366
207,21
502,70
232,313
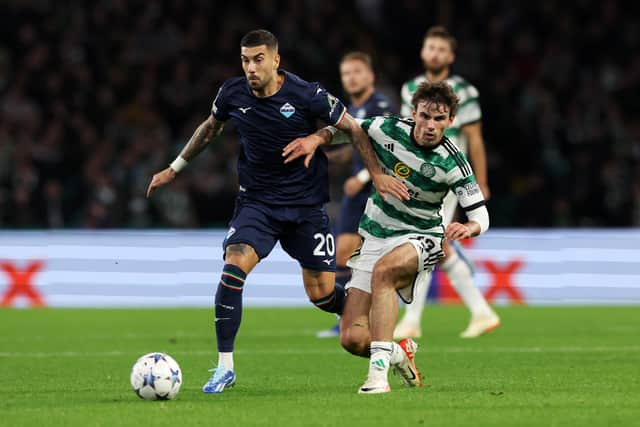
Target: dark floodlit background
x,y
96,96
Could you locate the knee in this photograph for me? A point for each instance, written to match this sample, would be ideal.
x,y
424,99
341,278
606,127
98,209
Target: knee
x,y
241,255
342,256
382,276
355,340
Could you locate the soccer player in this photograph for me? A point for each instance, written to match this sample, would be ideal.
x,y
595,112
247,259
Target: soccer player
x,y
277,201
358,81
403,238
438,53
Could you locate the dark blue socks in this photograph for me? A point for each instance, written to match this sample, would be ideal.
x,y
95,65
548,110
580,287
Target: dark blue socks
x,y
332,303
228,308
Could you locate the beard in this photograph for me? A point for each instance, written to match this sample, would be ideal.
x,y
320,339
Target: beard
x,y
358,92
435,70
256,84
259,84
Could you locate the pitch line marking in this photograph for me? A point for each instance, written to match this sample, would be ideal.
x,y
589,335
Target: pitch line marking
x,y
488,350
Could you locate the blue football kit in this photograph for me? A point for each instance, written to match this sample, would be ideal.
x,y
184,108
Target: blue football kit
x,y
351,208
277,201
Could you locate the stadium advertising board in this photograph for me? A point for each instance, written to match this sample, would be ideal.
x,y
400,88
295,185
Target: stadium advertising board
x,y
172,269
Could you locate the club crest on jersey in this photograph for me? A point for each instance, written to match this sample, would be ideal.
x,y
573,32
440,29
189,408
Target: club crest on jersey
x,y
402,170
427,170
287,110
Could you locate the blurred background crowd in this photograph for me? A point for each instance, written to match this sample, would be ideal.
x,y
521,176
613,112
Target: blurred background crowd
x,y
97,96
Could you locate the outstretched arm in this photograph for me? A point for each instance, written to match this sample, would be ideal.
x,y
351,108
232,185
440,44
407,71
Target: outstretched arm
x,y
385,184
204,134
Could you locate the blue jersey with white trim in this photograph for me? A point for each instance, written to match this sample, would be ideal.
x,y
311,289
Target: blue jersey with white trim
x,y
377,105
266,125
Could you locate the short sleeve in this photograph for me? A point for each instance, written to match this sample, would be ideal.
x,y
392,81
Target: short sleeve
x,y
406,107
366,123
219,108
463,183
469,108
326,107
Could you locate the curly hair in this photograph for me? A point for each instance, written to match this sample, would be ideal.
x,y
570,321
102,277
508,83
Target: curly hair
x,y
438,93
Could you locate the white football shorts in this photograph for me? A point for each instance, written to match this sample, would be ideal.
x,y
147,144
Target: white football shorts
x,y
363,260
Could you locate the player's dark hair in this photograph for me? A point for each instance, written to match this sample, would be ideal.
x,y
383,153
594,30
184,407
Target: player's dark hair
x,y
358,56
437,93
443,33
258,38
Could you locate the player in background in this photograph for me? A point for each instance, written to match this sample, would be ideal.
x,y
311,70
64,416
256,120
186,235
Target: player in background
x,y
276,202
403,238
438,53
358,81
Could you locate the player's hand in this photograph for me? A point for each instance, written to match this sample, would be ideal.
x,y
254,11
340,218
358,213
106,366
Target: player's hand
x,y
352,186
388,185
457,231
160,179
299,147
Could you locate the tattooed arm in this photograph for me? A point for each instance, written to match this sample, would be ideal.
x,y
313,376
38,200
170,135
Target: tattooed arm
x,y
204,134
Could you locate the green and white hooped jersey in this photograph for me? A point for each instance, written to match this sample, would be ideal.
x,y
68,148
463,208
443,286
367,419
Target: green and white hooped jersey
x,y
468,109
428,173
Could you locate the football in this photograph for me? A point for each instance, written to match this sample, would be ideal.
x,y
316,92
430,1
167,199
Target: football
x,y
156,376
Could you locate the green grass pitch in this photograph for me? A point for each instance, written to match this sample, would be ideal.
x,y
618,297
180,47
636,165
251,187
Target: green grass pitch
x,y
545,366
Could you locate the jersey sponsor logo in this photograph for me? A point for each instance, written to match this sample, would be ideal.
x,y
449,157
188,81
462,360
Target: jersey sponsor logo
x,y
428,170
389,147
244,110
287,110
402,170
327,261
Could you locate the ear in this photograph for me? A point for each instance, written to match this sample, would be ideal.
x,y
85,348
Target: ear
x,y
413,114
276,61
423,53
